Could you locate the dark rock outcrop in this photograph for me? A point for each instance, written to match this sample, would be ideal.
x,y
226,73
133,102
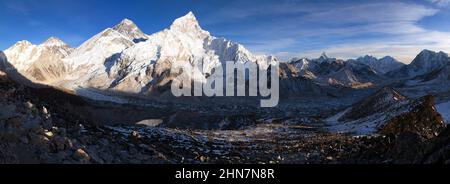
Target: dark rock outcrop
x,y
423,120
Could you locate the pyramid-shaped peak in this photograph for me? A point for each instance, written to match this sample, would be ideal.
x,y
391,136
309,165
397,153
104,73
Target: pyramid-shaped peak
x,y
189,16
324,55
53,42
129,29
127,22
188,21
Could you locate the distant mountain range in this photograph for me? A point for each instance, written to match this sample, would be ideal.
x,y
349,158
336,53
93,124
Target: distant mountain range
x,y
124,59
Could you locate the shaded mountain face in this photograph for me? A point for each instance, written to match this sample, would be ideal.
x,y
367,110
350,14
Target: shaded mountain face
x,y
383,65
428,72
390,113
324,58
295,83
348,73
422,120
338,72
427,61
378,102
305,67
438,76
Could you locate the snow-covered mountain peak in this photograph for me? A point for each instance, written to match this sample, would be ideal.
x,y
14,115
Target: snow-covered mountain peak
x,y
127,22
143,67
425,62
431,55
21,44
430,60
300,63
189,18
383,65
129,29
39,63
186,24
426,52
108,36
388,59
21,54
367,58
370,58
324,56
53,42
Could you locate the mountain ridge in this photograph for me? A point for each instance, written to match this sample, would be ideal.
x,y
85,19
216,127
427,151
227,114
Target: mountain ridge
x,y
124,59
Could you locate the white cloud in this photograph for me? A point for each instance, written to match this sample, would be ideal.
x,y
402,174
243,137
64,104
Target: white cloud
x,y
404,48
342,29
269,46
373,13
441,3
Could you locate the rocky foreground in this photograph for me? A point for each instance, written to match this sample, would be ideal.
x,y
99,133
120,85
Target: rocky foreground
x,y
37,127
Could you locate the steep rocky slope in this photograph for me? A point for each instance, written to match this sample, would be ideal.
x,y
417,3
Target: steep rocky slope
x,y
382,65
389,112
425,62
336,72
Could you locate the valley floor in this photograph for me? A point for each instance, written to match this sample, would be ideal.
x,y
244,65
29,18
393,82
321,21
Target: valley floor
x,y
40,126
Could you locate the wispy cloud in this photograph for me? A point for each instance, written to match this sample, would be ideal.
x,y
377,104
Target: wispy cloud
x,y
404,48
441,3
299,28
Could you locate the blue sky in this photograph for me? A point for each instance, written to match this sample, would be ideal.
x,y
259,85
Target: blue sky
x,y
285,28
